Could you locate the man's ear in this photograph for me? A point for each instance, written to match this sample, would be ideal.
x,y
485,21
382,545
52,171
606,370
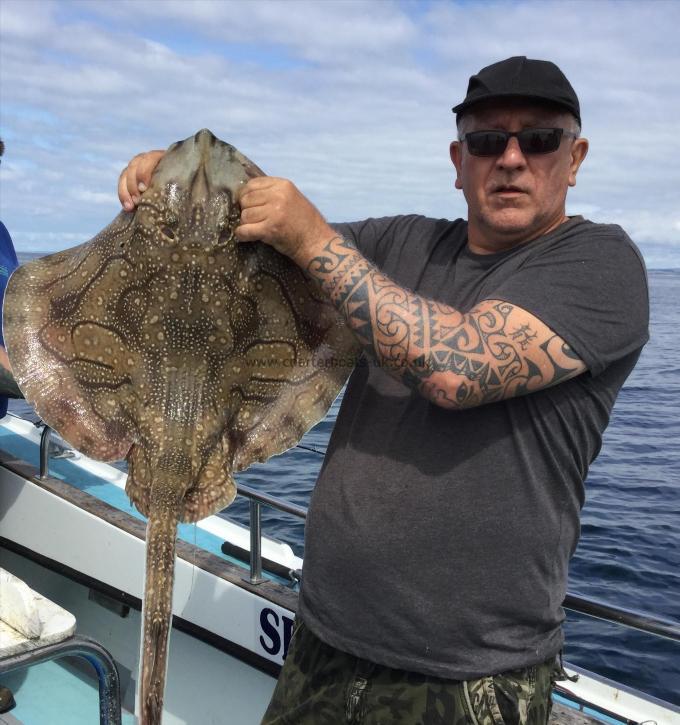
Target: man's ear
x,y
579,149
456,154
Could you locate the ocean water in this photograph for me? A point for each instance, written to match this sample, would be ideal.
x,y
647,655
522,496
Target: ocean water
x,y
629,552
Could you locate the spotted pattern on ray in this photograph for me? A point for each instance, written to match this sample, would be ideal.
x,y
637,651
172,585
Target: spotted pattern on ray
x,y
164,341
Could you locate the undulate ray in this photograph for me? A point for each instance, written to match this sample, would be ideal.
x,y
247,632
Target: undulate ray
x,y
163,341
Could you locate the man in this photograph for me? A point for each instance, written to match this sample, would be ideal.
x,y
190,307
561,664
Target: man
x,y
447,508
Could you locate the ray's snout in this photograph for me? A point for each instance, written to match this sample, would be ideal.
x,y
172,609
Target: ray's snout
x,y
199,179
205,137
205,182
203,172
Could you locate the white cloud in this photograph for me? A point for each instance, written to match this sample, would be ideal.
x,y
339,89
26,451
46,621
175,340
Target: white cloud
x,y
350,99
327,33
96,197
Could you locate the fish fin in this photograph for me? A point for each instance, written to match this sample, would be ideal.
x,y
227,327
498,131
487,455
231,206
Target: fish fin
x,y
290,380
214,488
138,486
289,415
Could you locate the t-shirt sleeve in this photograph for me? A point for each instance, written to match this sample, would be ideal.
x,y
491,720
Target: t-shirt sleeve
x,y
590,289
378,237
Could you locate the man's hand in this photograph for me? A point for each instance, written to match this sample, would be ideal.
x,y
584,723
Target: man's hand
x,y
135,178
274,211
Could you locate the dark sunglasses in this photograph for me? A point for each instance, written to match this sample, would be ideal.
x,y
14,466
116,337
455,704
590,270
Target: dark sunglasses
x,y
531,141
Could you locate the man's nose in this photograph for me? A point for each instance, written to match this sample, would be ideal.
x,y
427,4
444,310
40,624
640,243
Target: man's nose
x,y
512,157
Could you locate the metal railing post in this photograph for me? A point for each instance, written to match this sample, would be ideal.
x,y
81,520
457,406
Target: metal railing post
x,y
45,451
255,543
256,499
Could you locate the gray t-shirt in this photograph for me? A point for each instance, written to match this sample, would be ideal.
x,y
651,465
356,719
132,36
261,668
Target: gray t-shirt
x,y
438,541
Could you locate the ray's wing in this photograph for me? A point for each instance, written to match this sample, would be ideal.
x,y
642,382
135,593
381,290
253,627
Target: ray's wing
x,y
67,357
294,365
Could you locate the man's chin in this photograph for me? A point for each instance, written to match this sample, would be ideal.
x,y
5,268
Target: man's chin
x,y
511,223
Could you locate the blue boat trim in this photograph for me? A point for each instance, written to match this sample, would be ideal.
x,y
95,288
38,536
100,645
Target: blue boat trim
x,y
588,710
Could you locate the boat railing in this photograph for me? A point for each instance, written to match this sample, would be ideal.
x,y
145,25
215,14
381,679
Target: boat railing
x,y
81,647
641,621
256,500
633,619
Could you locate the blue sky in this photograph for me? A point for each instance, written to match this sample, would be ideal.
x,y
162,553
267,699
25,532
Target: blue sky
x,y
350,99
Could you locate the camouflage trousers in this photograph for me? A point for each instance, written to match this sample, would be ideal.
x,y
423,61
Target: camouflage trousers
x,y
320,685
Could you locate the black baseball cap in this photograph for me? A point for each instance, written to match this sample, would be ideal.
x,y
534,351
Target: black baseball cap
x,y
521,77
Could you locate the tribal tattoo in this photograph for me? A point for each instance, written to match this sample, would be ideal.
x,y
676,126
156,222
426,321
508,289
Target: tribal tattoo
x,y
456,360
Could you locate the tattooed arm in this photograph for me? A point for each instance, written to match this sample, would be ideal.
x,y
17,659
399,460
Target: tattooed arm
x,y
7,385
456,360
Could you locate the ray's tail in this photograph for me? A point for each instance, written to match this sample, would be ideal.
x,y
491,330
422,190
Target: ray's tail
x,y
161,536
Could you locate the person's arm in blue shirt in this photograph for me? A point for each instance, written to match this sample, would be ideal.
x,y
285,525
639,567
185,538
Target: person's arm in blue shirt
x,y
8,386
8,262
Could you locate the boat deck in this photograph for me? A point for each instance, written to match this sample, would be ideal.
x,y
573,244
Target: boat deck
x,y
562,715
